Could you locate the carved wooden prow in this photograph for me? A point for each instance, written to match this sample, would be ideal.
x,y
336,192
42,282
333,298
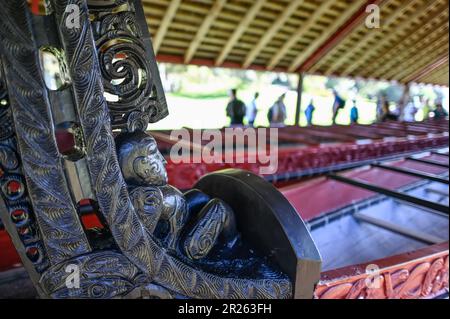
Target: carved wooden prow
x,y
59,161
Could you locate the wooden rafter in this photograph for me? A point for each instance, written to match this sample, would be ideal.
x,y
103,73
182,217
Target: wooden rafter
x,y
438,76
203,29
165,23
297,36
388,37
276,26
371,34
327,40
406,42
428,45
420,62
428,69
239,31
310,36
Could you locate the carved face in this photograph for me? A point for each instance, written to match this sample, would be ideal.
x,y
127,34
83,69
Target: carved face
x,y
150,166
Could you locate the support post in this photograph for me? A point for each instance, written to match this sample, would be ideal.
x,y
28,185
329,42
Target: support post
x,y
404,100
299,99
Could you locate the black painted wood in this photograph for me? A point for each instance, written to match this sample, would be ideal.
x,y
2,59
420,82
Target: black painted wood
x,y
269,222
414,173
381,190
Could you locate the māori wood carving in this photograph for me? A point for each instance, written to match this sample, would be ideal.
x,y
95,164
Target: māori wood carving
x,y
424,277
59,158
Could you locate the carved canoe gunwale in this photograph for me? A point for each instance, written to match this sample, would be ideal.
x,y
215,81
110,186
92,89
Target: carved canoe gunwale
x,y
422,273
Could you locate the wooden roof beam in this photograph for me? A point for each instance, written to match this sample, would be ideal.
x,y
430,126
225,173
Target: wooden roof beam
x,y
412,65
203,29
428,69
440,81
165,23
276,26
395,63
239,31
342,26
417,63
371,33
440,75
407,23
411,38
297,36
209,62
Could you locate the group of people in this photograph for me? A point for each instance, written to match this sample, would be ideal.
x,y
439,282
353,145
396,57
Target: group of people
x,y
237,111
338,104
386,112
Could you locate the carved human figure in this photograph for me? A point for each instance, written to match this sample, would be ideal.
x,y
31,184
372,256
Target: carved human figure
x,y
192,223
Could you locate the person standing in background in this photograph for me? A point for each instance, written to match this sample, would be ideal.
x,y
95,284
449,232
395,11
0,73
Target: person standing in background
x,y
309,112
354,114
277,113
252,110
387,114
338,104
235,109
439,112
425,105
410,111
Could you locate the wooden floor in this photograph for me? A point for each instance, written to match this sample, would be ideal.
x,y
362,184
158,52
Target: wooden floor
x,y
347,241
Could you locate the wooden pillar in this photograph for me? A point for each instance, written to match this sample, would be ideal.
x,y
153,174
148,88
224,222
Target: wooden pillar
x,y
298,109
404,100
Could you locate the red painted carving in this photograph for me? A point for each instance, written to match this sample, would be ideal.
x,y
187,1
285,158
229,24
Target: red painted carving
x,y
417,278
294,159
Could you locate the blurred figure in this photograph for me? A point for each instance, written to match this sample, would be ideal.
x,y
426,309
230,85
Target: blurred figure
x,y
235,109
338,104
380,102
277,113
439,112
426,109
387,115
309,112
252,110
410,111
354,114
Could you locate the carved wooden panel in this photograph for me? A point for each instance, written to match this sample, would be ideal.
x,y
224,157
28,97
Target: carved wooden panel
x,y
421,274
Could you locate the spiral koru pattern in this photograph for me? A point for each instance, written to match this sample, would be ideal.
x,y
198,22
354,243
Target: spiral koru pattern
x,y
126,75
